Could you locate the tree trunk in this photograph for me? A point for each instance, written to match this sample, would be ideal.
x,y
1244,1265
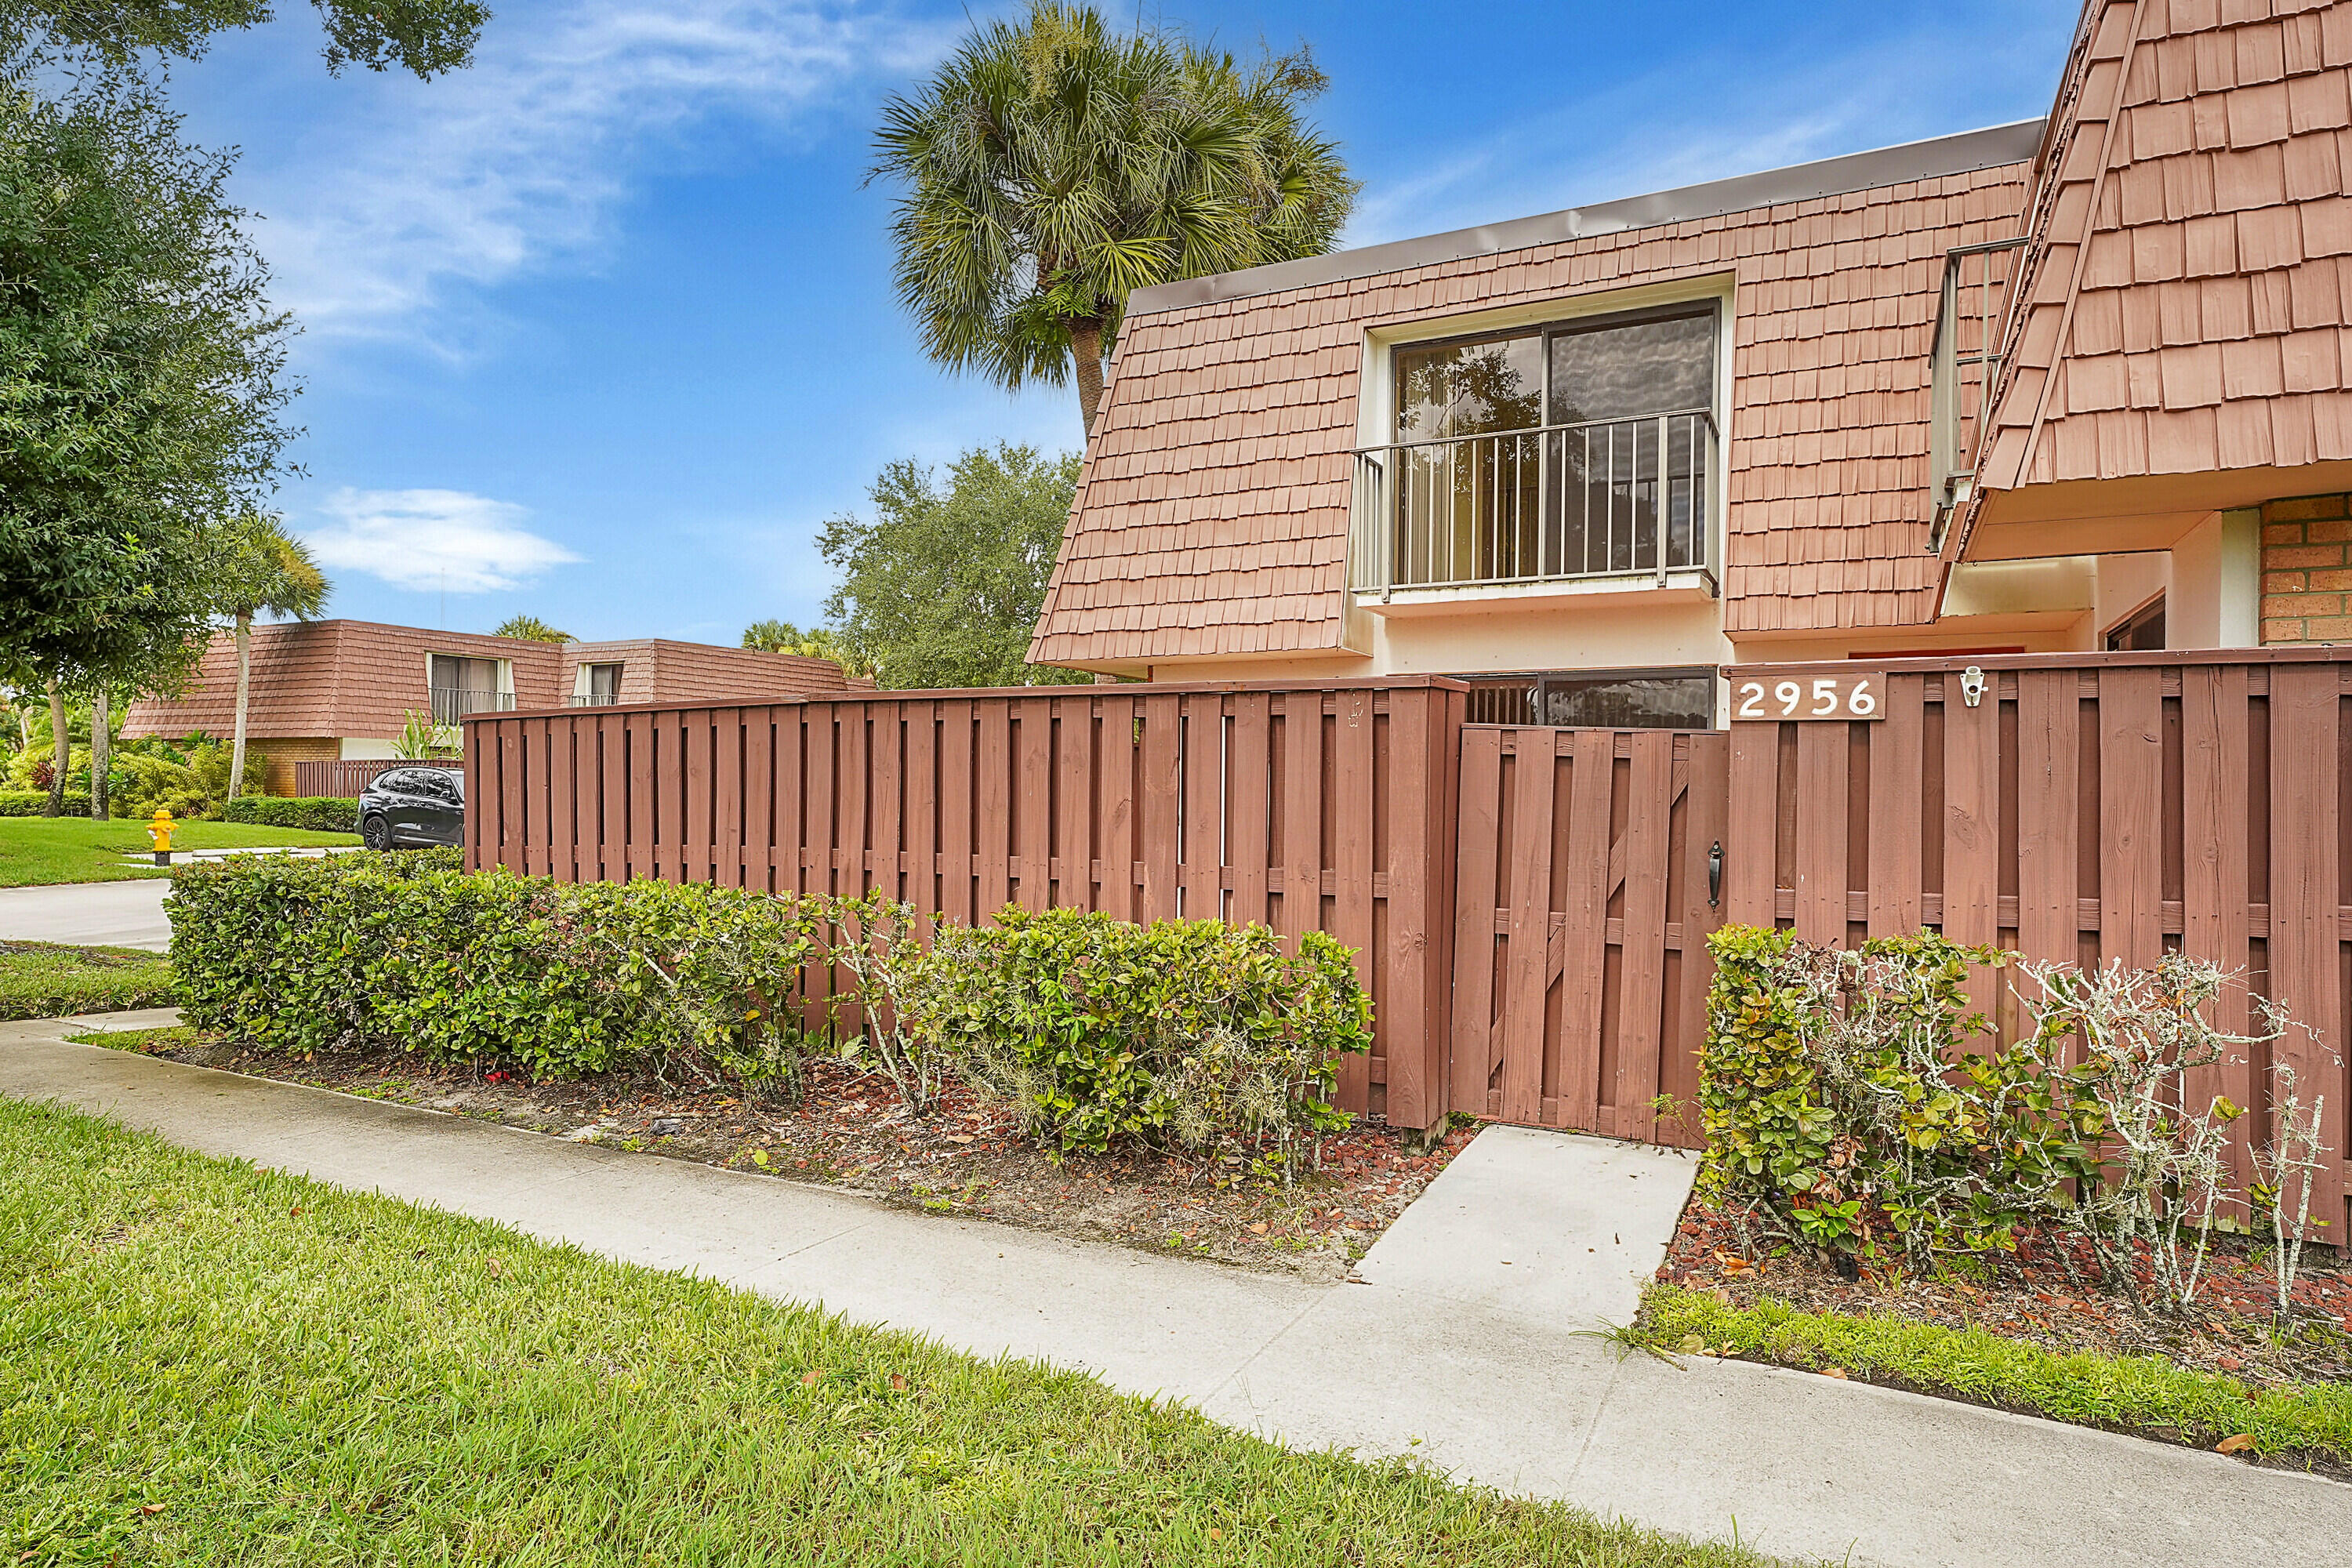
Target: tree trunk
x,y
100,751
60,750
1086,348
243,685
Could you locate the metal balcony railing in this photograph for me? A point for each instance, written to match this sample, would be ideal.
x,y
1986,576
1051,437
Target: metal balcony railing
x,y
594,698
1612,498
452,703
1964,368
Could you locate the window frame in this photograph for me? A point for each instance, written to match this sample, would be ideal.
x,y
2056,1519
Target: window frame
x,y
1711,306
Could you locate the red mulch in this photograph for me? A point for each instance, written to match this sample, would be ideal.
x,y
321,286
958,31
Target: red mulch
x,y
851,1130
2049,1292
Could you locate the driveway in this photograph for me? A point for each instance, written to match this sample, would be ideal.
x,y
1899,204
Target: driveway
x,y
99,914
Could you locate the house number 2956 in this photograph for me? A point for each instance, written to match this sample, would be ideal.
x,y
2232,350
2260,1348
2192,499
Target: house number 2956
x,y
1808,697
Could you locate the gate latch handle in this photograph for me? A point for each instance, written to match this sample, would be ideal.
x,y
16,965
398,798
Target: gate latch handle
x,y
1714,876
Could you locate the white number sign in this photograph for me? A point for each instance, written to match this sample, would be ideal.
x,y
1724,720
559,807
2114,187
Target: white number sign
x,y
1839,697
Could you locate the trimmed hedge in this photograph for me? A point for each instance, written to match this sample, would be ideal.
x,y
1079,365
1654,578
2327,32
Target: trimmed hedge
x,y
1185,1033
36,803
319,813
1191,1033
407,950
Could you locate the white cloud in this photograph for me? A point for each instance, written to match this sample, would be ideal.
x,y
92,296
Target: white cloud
x,y
398,189
429,540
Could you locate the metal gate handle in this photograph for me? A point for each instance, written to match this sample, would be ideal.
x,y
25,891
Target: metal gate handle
x,y
1714,876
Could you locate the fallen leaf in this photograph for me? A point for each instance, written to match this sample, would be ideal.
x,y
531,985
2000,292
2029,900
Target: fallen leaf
x,y
2237,1445
150,1508
1216,1534
1258,1229
1836,1372
496,1268
898,1381
808,1378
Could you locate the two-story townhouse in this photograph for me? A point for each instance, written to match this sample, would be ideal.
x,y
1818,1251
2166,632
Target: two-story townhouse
x,y
1586,458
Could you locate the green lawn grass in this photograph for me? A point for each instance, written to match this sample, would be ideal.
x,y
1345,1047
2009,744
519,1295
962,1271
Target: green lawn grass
x,y
44,980
2144,1393
40,851
204,1362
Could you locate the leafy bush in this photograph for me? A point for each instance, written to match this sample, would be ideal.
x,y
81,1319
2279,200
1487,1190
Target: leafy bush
x,y
1190,1033
1846,1104
1838,1095
36,803
320,813
406,949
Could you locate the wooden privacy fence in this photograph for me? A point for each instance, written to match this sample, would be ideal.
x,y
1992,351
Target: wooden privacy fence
x,y
1531,905
1307,807
2085,808
345,780
1582,887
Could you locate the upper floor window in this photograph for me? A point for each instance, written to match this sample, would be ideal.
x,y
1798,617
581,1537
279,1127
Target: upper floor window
x,y
597,685
1581,448
461,685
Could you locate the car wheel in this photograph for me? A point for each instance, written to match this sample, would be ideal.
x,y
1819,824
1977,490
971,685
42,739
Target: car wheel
x,y
375,833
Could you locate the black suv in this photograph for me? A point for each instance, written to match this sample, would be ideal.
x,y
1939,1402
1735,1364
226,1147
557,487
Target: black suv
x,y
414,806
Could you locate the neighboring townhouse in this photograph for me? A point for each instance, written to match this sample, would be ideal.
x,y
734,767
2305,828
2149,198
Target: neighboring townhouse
x,y
1585,458
343,690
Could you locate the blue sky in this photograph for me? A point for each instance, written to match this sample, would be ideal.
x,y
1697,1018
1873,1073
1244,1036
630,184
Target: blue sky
x,y
602,329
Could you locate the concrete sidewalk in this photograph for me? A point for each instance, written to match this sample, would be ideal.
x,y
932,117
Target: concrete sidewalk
x,y
99,914
1494,1393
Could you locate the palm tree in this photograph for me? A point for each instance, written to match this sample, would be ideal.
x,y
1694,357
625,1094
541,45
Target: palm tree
x,y
1052,167
272,571
529,626
817,642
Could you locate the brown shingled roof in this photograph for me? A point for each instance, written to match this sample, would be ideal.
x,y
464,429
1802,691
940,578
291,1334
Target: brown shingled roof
x,y
1212,517
2184,300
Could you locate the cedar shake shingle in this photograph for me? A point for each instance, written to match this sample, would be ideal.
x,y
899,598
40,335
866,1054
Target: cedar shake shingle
x,y
1195,533
342,678
2237,113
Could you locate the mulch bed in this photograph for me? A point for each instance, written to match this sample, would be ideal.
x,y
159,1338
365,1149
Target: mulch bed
x,y
851,1130
2048,1292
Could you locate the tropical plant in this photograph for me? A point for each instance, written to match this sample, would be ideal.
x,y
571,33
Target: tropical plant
x,y
269,571
1053,165
941,587
419,737
817,642
532,628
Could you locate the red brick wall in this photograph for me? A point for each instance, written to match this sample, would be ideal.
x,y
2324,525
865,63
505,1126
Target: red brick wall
x,y
2307,570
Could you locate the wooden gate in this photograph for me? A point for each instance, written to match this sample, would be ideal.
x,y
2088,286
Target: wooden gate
x,y
1583,899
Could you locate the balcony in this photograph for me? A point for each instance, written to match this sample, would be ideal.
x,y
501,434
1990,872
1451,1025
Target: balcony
x,y
594,698
452,703
1604,506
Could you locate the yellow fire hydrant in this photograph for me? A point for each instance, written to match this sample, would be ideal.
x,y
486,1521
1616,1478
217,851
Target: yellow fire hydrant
x,y
159,833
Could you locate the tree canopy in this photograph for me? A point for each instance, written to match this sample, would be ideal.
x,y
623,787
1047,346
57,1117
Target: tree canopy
x,y
941,587
1053,165
530,626
423,36
142,386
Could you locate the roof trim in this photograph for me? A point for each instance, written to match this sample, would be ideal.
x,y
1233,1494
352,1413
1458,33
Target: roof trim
x,y
1965,152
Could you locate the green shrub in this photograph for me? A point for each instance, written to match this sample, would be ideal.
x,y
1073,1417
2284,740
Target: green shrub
x,y
321,813
406,949
1841,1096
1187,1033
36,803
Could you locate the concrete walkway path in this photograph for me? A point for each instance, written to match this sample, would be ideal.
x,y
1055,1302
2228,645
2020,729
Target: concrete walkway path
x,y
100,914
1496,1386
